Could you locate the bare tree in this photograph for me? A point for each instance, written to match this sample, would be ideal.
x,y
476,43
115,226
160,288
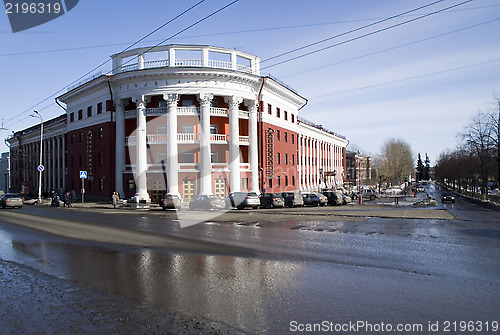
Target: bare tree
x,y
477,136
395,161
494,120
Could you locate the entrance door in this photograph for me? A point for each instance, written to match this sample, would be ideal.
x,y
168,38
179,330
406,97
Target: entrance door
x,y
188,189
156,191
220,187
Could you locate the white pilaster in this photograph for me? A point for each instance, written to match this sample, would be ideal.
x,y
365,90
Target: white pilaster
x,y
172,149
64,162
119,146
53,163
234,143
253,150
141,164
59,184
205,159
299,161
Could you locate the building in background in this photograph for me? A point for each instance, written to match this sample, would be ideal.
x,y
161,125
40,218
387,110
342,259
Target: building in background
x,y
5,172
183,119
358,167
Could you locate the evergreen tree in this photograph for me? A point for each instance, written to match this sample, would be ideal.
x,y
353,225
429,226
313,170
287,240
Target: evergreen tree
x,y
420,168
427,168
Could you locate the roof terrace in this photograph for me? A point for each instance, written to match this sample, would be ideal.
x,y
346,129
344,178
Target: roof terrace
x,y
185,56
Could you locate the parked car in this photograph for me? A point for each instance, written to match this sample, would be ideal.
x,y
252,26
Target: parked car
x,y
447,197
293,199
270,200
241,200
11,200
171,201
311,199
323,200
335,198
366,194
346,199
207,202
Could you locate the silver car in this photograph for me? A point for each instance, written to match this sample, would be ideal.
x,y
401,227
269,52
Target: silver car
x,y
11,200
241,200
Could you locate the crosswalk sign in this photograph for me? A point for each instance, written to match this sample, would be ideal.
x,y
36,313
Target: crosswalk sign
x,y
83,174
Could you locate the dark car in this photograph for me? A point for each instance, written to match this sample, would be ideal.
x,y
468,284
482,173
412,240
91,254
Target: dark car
x,y
335,198
171,201
293,199
270,200
11,200
311,199
241,200
207,202
447,197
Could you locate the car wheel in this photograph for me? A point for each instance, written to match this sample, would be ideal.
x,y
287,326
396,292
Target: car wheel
x,y
289,204
269,205
372,197
315,204
240,207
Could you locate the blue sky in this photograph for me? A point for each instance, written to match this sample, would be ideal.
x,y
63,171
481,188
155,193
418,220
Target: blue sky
x,y
420,82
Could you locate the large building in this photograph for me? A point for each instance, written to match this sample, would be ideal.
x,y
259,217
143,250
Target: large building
x,y
5,172
183,119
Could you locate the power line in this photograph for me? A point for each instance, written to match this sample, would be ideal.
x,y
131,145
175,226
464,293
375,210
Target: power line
x,y
365,35
393,48
408,78
352,31
222,33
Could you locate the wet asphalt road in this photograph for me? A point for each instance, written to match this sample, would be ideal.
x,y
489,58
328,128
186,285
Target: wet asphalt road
x,y
258,277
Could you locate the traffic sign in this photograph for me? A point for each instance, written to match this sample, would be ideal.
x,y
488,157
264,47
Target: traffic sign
x,y
40,168
83,174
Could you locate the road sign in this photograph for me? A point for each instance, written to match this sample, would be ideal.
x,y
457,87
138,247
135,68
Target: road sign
x,y
40,168
83,174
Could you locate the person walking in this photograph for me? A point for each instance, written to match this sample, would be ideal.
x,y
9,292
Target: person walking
x,y
115,198
67,200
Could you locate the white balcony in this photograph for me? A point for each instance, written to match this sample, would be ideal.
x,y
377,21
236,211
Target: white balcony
x,y
186,138
244,140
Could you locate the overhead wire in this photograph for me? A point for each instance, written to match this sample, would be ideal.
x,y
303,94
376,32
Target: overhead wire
x,y
364,35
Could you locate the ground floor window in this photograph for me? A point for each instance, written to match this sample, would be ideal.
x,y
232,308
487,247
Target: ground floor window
x,y
156,190
244,183
131,185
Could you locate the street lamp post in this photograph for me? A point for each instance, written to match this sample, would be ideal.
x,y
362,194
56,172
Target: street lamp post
x,y
40,167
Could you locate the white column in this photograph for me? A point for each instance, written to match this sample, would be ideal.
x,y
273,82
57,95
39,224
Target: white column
x,y
141,164
205,162
253,150
64,162
299,158
119,146
53,163
172,149
234,142
58,142
308,158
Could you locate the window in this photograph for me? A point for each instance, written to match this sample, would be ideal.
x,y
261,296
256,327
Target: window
x,y
101,184
99,108
214,157
269,109
270,183
286,136
278,158
293,159
162,157
278,133
286,180
213,129
244,183
286,159
131,185
72,117
81,137
162,130
293,118
293,139
72,138
89,111
186,128
293,180
286,115
187,102
188,157
279,181
101,132
278,114
100,159
80,114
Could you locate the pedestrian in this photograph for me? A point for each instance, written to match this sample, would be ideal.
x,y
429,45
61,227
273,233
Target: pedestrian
x,y
115,198
67,199
73,196
53,197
